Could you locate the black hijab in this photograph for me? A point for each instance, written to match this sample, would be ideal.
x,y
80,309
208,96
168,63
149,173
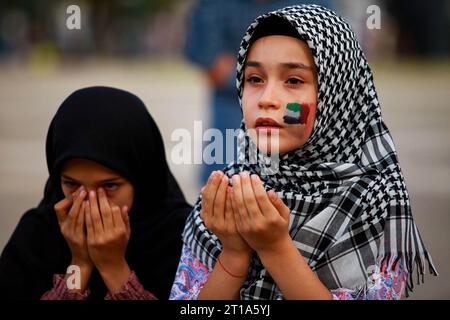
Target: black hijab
x,y
113,128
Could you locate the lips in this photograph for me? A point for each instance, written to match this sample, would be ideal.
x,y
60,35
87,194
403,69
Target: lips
x,y
267,123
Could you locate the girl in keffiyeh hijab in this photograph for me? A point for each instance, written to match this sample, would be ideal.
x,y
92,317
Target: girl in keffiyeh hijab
x,y
321,210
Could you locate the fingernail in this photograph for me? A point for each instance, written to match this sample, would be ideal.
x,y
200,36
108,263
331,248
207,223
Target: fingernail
x,y
272,194
100,190
92,193
76,193
82,193
244,174
235,178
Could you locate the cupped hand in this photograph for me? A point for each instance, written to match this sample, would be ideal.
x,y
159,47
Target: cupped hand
x,y
218,216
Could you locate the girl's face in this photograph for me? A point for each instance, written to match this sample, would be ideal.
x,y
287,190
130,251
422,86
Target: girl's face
x,y
91,175
279,70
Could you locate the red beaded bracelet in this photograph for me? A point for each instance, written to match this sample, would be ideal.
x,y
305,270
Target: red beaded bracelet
x,y
231,274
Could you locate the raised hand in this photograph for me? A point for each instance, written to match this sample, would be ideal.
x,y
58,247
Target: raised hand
x,y
262,219
70,214
217,214
108,232
71,219
232,265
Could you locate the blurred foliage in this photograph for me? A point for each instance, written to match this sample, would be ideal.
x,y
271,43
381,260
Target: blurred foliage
x,y
117,7
114,26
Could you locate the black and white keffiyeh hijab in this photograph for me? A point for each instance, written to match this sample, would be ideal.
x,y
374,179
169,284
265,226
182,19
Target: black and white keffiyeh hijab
x,y
350,209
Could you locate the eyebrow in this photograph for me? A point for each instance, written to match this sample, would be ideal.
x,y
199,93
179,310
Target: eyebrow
x,y
284,65
101,181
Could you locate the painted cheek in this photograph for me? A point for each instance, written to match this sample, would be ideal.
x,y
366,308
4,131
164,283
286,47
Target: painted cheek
x,y
304,114
296,113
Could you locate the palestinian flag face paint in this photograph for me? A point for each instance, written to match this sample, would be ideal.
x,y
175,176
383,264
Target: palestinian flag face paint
x,y
296,113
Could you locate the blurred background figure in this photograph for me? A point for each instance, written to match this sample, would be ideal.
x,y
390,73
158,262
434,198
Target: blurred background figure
x,y
162,49
409,28
422,29
215,30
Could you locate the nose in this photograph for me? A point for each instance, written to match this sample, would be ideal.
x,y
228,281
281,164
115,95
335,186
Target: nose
x,y
89,188
269,98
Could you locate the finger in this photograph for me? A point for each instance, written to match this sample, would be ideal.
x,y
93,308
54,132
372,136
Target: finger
x,y
235,213
219,200
126,219
62,208
80,219
75,209
105,209
249,197
205,200
210,192
228,212
279,205
95,213
89,225
238,199
262,199
117,218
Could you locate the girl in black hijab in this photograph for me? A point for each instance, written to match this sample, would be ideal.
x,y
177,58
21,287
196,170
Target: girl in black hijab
x,y
123,232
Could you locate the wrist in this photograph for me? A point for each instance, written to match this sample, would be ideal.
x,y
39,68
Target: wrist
x,y
115,275
278,248
82,264
112,268
234,263
85,270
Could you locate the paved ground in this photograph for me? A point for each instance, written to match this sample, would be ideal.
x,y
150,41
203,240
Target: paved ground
x,y
415,100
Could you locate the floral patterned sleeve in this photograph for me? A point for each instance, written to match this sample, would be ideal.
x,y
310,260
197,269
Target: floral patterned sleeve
x,y
387,285
190,278
61,292
131,290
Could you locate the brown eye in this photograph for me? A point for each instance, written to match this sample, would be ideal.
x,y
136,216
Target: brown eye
x,y
295,81
110,186
71,184
254,79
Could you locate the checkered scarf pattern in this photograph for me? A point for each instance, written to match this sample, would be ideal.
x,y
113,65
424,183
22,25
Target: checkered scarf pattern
x,y
350,209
